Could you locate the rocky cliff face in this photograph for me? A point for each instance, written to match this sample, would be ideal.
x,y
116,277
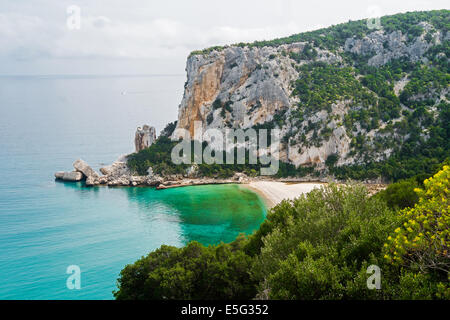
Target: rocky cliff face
x,y
246,85
249,84
144,137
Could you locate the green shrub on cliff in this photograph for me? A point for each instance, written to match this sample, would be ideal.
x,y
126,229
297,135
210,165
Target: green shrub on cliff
x,y
157,156
333,37
322,84
401,194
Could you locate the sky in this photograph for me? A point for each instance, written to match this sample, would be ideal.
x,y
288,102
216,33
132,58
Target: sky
x,y
155,37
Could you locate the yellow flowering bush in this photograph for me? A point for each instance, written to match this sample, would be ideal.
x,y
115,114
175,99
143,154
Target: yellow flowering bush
x,y
423,240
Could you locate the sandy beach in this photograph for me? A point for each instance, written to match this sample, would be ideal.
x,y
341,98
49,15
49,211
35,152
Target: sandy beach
x,y
274,192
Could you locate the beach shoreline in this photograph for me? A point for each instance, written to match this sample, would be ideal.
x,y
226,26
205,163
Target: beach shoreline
x,y
268,202
271,190
274,192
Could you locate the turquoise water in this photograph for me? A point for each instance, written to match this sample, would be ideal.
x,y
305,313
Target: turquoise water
x,y
45,226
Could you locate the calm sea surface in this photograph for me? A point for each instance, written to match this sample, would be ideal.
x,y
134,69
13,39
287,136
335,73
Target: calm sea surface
x,y
47,122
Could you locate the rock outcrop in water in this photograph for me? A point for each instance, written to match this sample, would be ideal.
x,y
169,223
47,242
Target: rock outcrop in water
x,y
144,137
73,176
118,175
85,169
247,85
82,171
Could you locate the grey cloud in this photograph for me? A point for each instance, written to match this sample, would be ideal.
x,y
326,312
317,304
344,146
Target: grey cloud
x,y
142,29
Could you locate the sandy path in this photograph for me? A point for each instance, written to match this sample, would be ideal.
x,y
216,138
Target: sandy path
x,y
274,192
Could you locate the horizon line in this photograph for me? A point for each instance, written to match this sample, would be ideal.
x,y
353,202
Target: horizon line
x,y
91,75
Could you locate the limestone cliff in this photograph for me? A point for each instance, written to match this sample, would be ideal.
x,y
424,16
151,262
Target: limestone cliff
x,y
245,85
144,137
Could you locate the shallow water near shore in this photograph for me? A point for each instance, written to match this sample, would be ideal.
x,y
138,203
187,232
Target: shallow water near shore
x,y
46,226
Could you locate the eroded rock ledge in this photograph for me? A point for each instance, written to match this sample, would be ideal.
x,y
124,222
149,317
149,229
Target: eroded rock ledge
x,y
118,174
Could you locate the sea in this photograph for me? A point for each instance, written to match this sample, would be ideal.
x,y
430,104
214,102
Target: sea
x,y
47,227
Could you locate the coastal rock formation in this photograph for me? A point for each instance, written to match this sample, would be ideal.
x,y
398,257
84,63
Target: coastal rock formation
x,y
245,82
59,174
116,169
82,171
69,176
85,169
255,86
116,174
144,137
73,176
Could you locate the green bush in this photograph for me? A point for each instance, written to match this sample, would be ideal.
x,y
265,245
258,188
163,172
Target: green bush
x,y
401,194
332,159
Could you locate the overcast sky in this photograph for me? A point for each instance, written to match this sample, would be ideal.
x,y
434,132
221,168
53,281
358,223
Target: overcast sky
x,y
146,36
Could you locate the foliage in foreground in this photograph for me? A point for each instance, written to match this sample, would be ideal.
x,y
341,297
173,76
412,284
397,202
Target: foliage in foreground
x,y
409,129
318,246
401,194
192,272
422,242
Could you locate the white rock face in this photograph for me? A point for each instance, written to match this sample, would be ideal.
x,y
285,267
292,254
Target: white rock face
x,y
144,137
338,143
254,84
251,84
391,46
